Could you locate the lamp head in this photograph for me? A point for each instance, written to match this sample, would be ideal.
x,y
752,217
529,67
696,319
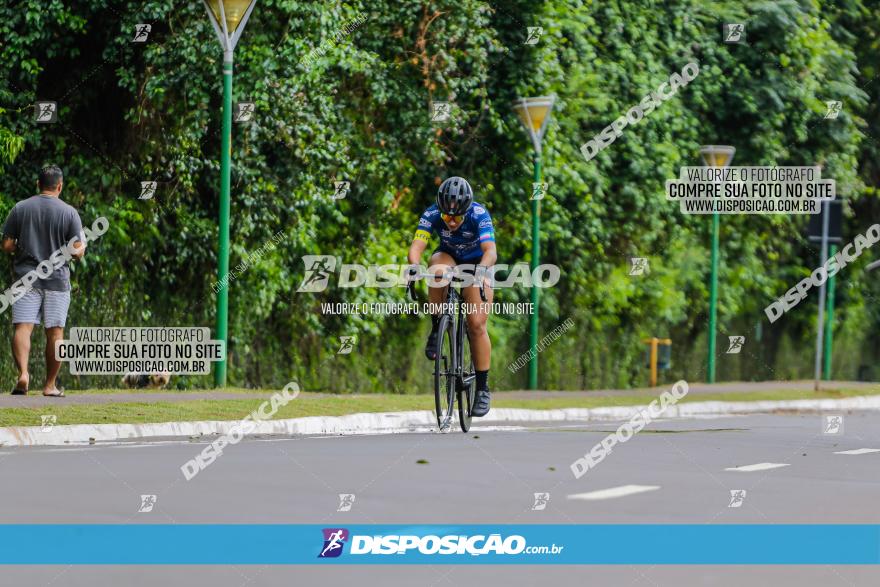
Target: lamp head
x,y
229,18
534,113
717,155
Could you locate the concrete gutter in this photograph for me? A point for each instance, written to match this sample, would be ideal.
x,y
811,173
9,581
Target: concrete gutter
x,y
391,422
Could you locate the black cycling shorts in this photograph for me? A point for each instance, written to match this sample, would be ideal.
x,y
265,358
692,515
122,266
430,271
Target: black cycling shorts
x,y
459,260
472,262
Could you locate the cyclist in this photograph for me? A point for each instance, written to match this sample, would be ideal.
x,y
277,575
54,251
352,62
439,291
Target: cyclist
x,y
466,237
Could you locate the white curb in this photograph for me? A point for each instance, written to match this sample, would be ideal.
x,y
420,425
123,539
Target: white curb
x,y
388,422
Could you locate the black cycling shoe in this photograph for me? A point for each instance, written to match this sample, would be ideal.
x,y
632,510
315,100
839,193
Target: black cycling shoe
x,y
481,403
431,347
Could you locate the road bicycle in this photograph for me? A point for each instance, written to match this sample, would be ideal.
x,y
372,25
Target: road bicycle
x,y
454,376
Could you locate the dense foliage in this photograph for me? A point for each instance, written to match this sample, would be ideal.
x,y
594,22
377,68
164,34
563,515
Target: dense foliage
x,y
357,107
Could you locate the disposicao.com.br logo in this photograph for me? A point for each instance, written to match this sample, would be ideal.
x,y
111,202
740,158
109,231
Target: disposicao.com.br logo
x,y
335,539
320,268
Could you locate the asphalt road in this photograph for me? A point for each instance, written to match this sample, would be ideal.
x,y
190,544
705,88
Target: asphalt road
x,y
487,476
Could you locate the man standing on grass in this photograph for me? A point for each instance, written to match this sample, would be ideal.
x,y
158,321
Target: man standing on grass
x,y
34,230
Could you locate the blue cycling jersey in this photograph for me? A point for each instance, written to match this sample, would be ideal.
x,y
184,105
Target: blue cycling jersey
x,y
464,242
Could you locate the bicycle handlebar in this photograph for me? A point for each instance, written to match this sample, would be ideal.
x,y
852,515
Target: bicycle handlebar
x,y
412,290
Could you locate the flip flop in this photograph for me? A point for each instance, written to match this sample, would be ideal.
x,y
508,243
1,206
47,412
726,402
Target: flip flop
x,y
58,393
16,390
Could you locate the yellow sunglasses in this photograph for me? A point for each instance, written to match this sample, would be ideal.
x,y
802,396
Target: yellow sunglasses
x,y
456,219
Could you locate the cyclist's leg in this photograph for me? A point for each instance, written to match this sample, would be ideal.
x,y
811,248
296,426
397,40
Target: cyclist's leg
x,y
440,262
481,346
477,321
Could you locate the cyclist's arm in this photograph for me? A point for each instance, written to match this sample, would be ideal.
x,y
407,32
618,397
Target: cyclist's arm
x,y
487,240
490,253
420,239
416,249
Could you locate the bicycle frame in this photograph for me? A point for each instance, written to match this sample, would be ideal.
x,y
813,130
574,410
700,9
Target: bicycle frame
x,y
460,334
456,311
459,321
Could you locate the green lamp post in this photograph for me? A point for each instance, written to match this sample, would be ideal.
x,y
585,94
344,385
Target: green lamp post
x,y
714,156
229,18
534,113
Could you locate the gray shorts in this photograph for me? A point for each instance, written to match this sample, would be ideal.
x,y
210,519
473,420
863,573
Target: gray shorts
x,y
50,305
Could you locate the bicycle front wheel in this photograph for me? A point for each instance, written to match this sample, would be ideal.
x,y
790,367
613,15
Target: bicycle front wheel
x,y
444,373
466,384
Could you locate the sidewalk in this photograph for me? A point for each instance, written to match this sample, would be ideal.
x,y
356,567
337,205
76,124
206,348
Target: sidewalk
x,y
404,422
35,399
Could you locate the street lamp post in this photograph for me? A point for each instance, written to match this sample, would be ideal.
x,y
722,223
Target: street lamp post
x,y
714,156
534,113
229,18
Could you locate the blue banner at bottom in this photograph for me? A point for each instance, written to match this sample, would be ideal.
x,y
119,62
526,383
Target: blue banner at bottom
x,y
282,544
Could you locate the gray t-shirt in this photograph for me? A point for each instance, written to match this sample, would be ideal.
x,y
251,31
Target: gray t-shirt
x,y
42,225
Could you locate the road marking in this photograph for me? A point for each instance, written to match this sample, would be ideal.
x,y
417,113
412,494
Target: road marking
x,y
858,451
757,467
613,492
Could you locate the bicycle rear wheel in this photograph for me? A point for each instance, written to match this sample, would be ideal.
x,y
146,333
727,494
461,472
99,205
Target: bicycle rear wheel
x,y
444,376
466,384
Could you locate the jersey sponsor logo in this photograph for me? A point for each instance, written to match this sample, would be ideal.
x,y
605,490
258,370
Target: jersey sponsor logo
x,y
479,210
467,234
423,235
425,222
446,233
485,223
430,213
